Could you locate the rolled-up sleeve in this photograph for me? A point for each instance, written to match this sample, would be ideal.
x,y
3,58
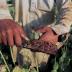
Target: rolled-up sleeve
x,y
65,17
4,11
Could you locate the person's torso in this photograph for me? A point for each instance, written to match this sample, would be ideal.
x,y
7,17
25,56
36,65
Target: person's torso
x,y
37,12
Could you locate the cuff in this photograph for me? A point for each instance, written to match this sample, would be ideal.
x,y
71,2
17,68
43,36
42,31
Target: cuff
x,y
61,29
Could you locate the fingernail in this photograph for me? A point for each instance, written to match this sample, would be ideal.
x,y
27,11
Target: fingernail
x,y
26,38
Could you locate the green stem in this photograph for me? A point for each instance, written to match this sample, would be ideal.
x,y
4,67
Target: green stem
x,y
4,61
36,64
12,55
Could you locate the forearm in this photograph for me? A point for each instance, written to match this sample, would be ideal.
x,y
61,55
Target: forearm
x,y
65,15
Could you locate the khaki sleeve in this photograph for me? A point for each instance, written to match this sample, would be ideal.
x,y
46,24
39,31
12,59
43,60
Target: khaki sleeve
x,y
65,17
4,12
45,5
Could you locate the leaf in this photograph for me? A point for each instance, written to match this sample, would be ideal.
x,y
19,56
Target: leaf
x,y
3,68
33,70
25,70
18,69
55,67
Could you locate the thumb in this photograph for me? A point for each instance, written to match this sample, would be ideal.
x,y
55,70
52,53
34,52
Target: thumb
x,y
25,37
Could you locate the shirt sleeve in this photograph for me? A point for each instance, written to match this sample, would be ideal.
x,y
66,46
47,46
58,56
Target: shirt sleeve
x,y
45,5
65,16
4,11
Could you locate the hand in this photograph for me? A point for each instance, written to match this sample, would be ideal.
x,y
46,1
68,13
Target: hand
x,y
48,35
11,32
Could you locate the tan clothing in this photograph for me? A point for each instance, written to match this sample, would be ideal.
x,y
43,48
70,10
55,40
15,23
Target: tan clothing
x,y
40,12
65,17
4,11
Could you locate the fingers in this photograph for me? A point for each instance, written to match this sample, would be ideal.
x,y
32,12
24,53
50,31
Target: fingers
x,y
17,37
4,37
11,33
22,33
0,38
23,36
10,37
